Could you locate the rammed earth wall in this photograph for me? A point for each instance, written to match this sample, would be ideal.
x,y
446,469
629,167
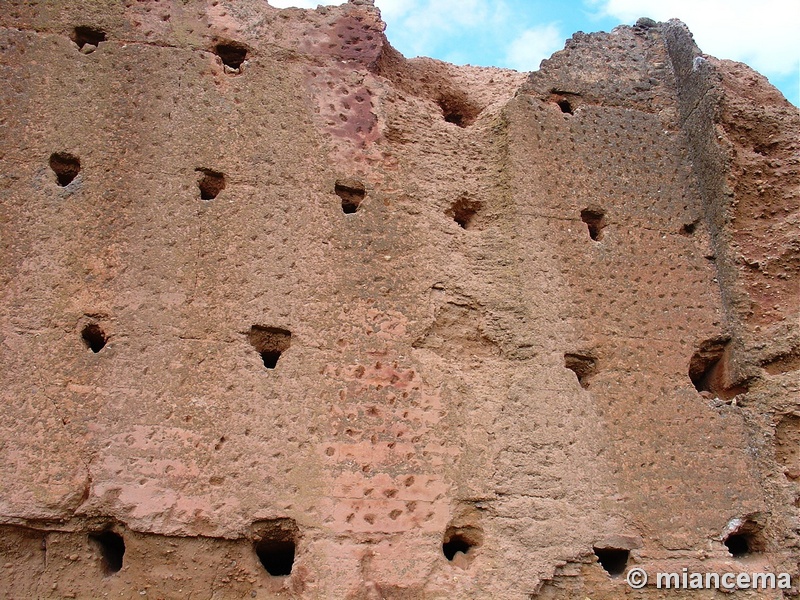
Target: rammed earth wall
x,y
287,315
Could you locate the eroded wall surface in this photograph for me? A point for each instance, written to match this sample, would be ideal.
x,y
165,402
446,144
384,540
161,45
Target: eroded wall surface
x,y
287,315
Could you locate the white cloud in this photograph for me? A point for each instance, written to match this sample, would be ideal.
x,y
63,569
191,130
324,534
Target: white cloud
x,y
392,10
431,27
532,46
764,34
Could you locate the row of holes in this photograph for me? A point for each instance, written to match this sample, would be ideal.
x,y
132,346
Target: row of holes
x,y
232,54
269,342
703,369
210,183
277,554
272,342
740,545
351,192
66,166
455,109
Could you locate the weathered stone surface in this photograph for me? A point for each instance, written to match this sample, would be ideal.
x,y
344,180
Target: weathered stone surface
x,y
275,297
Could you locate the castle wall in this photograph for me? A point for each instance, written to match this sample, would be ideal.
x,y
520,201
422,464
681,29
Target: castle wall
x,y
287,315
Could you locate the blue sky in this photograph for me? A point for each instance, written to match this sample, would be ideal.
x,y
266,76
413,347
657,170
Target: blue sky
x,y
518,34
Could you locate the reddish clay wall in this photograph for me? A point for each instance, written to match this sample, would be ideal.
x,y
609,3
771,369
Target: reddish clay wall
x,y
286,315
